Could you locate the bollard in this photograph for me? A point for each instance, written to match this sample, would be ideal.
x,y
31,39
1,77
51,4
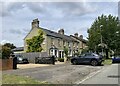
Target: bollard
x,y
15,63
53,60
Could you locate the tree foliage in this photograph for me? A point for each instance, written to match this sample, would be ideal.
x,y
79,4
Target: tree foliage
x,y
66,51
11,46
109,28
34,44
6,50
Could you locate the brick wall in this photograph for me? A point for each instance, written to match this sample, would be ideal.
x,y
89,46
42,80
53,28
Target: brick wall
x,y
6,64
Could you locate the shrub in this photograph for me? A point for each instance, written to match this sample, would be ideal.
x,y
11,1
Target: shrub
x,y
61,59
6,51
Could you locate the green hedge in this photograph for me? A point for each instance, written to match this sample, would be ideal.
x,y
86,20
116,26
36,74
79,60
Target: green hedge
x,y
61,59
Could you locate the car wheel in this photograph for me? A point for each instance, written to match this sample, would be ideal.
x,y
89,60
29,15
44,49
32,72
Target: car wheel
x,y
113,62
75,62
94,63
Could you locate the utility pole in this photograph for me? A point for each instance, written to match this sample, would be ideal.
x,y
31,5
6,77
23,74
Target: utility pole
x,y
101,37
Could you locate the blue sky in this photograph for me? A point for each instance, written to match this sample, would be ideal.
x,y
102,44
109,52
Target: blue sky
x,y
71,16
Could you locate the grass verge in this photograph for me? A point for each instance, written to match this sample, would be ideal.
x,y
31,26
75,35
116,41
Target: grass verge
x,y
15,79
107,62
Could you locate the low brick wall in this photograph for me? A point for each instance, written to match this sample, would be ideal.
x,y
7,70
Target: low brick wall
x,y
6,64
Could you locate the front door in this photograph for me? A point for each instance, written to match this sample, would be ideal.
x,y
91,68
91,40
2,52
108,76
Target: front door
x,y
56,53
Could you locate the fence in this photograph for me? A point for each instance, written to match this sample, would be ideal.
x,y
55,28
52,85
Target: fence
x,y
31,56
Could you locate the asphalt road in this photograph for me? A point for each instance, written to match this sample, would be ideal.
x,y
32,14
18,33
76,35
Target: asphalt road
x,y
108,75
57,74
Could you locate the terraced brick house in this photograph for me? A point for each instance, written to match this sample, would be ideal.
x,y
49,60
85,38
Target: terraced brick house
x,y
55,42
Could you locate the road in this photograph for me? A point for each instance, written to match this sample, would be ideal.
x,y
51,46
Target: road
x,y
108,75
57,74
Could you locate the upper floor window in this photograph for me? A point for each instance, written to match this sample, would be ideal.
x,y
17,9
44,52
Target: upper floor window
x,y
63,43
52,42
77,45
59,43
44,41
68,44
73,44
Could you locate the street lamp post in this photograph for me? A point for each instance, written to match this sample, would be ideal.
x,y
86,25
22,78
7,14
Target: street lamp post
x,y
101,37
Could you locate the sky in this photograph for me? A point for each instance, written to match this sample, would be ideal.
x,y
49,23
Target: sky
x,y
71,16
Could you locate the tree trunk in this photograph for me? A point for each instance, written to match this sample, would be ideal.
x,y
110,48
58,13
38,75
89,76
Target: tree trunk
x,y
107,54
65,59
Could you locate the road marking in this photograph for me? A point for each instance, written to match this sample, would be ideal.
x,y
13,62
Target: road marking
x,y
90,75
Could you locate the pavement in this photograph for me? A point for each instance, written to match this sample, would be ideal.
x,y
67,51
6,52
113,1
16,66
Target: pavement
x,y
108,75
57,74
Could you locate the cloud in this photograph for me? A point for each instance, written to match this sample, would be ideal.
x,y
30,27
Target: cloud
x,y
4,41
15,31
18,31
54,8
9,8
36,7
75,9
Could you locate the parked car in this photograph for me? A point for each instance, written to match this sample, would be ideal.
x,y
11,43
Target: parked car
x,y
116,59
45,60
89,58
21,59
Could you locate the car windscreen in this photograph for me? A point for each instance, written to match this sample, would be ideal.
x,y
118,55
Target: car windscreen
x,y
117,56
19,58
95,54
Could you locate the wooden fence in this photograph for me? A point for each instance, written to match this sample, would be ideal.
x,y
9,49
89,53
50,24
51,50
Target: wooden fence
x,y
31,56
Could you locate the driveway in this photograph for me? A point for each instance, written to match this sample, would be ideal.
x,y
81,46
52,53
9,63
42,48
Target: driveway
x,y
30,65
57,74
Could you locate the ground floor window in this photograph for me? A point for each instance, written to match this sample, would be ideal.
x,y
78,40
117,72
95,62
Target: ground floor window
x,y
57,53
53,52
61,54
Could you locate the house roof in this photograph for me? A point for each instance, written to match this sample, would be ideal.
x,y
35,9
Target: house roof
x,y
78,38
18,49
57,35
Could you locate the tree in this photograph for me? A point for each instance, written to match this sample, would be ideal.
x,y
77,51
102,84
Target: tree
x,y
107,27
6,50
66,54
34,44
9,45
84,50
66,51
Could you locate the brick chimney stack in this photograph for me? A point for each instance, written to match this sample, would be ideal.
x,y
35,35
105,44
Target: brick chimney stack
x,y
61,31
81,36
35,23
76,34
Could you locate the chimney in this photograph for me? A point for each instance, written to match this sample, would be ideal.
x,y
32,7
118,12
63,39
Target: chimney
x,y
81,36
76,34
61,31
35,23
